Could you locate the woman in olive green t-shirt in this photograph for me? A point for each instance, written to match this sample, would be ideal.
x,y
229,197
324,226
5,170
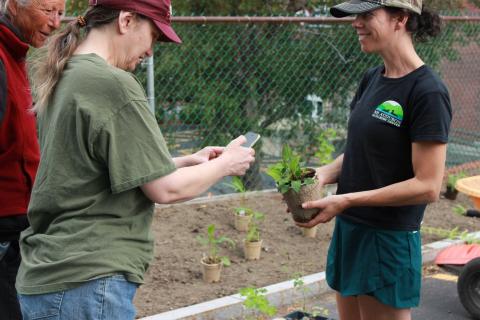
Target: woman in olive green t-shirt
x,y
103,164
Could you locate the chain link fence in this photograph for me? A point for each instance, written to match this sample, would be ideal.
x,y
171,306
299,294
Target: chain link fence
x,y
290,81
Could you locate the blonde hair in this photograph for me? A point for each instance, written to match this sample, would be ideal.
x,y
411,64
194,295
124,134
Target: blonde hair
x,y
48,66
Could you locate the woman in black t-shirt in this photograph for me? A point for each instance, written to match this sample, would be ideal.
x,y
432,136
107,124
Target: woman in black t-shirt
x,y
392,167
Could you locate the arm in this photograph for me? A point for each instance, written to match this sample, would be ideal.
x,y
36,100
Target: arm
x,y
199,157
428,160
329,173
188,182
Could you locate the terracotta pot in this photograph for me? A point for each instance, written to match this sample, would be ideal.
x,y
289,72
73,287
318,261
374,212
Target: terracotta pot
x,y
252,250
451,193
307,193
310,232
241,222
211,272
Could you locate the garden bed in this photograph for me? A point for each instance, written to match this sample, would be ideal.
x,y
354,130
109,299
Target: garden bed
x,y
174,278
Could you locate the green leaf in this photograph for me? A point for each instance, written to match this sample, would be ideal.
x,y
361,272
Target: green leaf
x,y
275,172
308,181
225,261
286,153
283,188
238,184
296,185
460,210
211,230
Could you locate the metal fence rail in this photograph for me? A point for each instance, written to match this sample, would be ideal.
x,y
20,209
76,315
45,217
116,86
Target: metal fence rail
x,y
290,78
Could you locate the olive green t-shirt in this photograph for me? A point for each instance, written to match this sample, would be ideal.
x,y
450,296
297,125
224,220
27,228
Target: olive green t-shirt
x,y
89,218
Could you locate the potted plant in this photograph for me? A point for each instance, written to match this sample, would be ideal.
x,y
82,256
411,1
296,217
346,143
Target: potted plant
x,y
314,313
452,178
255,300
297,183
462,211
300,315
212,262
242,215
324,154
252,244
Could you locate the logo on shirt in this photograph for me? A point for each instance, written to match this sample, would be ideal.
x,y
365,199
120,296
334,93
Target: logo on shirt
x,y
389,111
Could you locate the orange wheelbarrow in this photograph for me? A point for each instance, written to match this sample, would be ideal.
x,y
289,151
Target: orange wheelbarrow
x,y
464,259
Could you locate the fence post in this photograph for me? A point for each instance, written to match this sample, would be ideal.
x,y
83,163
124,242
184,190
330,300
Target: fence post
x,y
151,84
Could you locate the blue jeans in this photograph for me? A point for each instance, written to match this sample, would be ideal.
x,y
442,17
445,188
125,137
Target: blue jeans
x,y
109,298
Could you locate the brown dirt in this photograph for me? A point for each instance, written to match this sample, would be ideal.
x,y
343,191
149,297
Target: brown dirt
x,y
174,279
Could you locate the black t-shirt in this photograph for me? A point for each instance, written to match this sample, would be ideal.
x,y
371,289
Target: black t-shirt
x,y
387,115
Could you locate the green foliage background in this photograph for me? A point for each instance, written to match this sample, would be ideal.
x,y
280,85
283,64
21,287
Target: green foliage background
x,y
227,79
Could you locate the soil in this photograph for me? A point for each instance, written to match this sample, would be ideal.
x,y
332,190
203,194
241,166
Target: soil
x,y
174,278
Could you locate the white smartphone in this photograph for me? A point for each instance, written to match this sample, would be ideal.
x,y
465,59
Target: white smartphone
x,y
252,138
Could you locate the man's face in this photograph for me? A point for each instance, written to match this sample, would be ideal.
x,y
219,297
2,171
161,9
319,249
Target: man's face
x,y
37,20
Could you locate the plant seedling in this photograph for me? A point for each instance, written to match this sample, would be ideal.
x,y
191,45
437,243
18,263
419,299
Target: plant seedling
x,y
212,242
299,286
239,187
289,173
450,234
453,178
253,232
255,300
460,210
326,148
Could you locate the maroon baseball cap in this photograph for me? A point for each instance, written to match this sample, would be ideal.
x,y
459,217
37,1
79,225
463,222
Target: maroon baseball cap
x,y
159,11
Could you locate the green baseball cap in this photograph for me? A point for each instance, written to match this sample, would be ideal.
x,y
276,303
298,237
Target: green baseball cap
x,y
352,7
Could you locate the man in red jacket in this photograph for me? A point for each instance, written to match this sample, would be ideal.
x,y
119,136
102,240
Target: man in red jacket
x,y
23,23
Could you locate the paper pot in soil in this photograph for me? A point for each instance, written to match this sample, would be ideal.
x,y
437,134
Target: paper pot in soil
x,y
310,232
451,193
211,271
252,250
241,219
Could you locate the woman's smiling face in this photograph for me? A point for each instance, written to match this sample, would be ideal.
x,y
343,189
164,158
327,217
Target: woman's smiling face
x,y
375,30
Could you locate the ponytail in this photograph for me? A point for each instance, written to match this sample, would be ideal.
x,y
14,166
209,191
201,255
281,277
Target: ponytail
x,y
428,24
421,26
48,67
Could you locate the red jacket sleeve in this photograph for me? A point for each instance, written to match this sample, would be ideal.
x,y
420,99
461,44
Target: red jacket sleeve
x,y
3,91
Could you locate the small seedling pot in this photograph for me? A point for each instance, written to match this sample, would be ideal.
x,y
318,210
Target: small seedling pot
x,y
451,193
473,213
310,232
299,315
252,250
211,272
241,221
294,200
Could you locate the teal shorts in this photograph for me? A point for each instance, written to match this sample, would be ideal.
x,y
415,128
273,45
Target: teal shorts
x,y
385,264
